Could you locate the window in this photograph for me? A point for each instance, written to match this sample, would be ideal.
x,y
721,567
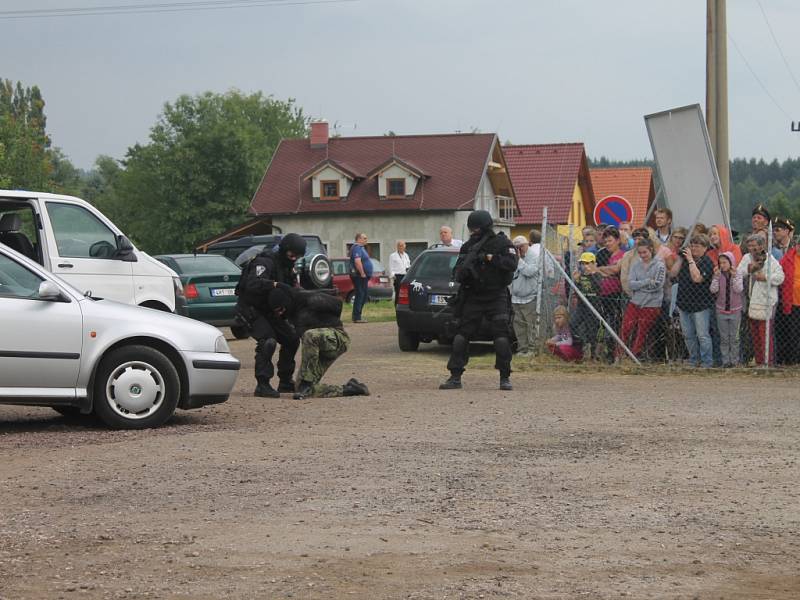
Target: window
x,y
396,188
329,190
79,234
16,281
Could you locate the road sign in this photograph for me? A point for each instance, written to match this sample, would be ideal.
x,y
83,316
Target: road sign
x,y
613,210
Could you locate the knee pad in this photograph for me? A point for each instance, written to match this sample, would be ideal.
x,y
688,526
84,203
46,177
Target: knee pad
x,y
266,347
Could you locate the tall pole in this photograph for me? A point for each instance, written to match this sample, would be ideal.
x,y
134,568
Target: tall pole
x,y
717,90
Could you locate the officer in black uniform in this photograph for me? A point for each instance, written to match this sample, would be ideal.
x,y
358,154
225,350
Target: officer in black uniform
x,y
269,270
484,270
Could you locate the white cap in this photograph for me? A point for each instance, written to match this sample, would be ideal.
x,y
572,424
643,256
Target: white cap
x,y
519,240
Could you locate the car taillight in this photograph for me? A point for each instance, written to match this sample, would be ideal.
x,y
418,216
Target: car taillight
x,y
190,291
402,297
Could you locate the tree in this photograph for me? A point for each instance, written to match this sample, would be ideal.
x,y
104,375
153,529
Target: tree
x,y
25,161
195,177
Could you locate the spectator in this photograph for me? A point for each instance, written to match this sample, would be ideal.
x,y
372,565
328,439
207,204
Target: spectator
x,y
765,277
600,244
782,232
625,235
584,323
663,221
399,262
694,270
721,241
610,287
589,241
646,282
360,272
631,256
535,238
759,222
787,320
446,237
524,289
561,344
727,285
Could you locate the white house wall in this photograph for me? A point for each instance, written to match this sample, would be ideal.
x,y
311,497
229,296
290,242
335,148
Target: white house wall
x,y
329,174
485,198
396,172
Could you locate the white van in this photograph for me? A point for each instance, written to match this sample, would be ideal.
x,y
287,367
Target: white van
x,y
71,238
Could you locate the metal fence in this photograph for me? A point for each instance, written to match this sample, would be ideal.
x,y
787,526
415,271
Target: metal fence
x,y
694,301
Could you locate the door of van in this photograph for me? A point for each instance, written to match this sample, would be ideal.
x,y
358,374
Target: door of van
x,y
83,250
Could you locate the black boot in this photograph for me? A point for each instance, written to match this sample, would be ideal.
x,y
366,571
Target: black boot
x,y
265,390
303,390
355,388
453,383
286,386
505,383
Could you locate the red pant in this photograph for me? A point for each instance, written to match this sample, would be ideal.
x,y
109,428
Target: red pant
x,y
642,319
758,335
568,353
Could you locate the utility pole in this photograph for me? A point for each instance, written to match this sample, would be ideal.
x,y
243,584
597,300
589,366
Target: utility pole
x,y
717,91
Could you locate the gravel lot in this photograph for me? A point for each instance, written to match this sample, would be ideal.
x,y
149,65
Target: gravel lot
x,y
573,485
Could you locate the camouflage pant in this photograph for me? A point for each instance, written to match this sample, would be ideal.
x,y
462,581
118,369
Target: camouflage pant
x,y
321,347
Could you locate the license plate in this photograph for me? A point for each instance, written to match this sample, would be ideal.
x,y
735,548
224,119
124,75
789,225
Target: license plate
x,y
383,279
223,292
438,299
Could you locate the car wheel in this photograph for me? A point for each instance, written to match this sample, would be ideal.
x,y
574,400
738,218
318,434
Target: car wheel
x,y
135,387
240,332
407,340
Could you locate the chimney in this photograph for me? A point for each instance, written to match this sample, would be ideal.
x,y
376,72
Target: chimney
x,y
319,133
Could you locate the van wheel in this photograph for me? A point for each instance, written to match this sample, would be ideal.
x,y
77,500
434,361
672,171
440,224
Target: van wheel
x,y
240,332
136,387
408,341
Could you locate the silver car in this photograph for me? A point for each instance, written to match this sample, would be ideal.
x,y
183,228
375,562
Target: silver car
x,y
131,366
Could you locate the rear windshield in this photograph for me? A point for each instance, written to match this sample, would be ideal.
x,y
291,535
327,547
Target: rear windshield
x,y
435,265
314,246
206,263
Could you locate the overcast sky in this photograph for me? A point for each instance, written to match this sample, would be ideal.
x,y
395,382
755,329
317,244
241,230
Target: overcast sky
x,y
534,71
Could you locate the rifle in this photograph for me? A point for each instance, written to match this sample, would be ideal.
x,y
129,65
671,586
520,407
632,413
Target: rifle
x,y
465,271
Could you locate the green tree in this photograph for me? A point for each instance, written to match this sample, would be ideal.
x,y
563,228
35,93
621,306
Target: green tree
x,y
25,162
196,175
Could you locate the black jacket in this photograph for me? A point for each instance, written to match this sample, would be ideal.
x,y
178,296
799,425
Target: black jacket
x,y
479,277
315,309
260,275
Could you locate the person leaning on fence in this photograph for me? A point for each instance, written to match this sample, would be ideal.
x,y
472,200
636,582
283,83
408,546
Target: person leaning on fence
x,y
727,286
630,257
693,271
584,324
765,275
646,282
562,344
611,299
524,288
787,319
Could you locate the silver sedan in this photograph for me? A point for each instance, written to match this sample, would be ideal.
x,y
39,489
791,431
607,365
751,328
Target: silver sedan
x,y
131,366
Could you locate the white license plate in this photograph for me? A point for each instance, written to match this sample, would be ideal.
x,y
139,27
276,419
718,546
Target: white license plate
x,y
223,292
438,299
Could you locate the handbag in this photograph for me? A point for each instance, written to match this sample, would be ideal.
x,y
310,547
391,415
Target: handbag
x,y
759,312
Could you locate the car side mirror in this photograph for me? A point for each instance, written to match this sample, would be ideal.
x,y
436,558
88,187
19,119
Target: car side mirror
x,y
50,292
125,251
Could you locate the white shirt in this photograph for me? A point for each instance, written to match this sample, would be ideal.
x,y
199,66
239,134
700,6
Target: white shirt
x,y
398,263
454,243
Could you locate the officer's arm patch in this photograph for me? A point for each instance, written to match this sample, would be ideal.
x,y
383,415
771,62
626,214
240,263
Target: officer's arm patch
x,y
512,250
260,270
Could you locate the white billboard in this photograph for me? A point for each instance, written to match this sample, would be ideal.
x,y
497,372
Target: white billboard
x,y
685,163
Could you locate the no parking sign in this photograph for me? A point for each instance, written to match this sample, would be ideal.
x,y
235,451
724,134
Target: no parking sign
x,y
613,210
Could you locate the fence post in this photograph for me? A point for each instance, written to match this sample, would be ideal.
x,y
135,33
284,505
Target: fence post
x,y
767,339
542,273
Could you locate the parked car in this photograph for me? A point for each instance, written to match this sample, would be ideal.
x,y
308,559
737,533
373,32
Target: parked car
x,y
71,238
233,248
378,286
422,310
209,284
131,366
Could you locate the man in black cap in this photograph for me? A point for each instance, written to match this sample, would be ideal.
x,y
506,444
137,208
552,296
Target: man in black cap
x,y
484,269
783,234
270,270
759,222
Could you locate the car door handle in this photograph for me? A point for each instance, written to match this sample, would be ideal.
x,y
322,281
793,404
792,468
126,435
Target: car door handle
x,y
65,265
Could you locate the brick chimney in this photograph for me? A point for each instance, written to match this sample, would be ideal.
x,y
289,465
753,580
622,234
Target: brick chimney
x,y
319,133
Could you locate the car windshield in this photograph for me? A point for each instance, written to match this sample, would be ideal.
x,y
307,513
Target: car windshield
x,y
435,265
205,263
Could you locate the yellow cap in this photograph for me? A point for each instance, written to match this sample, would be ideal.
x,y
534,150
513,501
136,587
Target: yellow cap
x,y
587,257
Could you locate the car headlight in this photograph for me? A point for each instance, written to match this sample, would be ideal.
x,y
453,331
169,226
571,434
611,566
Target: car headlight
x,y
221,345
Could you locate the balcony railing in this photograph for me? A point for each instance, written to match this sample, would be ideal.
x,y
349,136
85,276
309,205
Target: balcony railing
x,y
505,208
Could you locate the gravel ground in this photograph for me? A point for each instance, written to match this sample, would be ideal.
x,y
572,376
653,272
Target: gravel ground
x,y
574,485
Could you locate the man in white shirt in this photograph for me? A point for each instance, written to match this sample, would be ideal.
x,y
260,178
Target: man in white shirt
x,y
398,265
446,237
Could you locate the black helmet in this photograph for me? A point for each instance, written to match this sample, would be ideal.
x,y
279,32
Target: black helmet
x,y
293,243
479,219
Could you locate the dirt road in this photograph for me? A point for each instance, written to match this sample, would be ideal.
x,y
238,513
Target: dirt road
x,y
571,486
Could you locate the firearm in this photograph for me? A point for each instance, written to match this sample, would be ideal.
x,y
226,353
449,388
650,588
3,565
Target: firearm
x,y
465,272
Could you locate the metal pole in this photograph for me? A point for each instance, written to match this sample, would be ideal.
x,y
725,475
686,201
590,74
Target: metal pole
x,y
541,278
717,90
769,307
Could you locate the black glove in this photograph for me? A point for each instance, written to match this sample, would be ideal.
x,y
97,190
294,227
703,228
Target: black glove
x,y
283,286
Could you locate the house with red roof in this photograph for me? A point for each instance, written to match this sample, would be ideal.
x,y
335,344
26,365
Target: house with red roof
x,y
389,187
555,176
635,184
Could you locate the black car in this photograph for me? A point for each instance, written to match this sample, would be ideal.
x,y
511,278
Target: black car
x,y
422,310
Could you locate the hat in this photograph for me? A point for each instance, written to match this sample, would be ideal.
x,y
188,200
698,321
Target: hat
x,y
587,257
519,240
785,223
731,258
760,209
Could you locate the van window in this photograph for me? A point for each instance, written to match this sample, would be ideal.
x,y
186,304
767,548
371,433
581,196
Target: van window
x,y
16,281
79,234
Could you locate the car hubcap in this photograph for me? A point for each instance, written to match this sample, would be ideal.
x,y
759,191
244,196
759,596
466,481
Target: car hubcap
x,y
135,390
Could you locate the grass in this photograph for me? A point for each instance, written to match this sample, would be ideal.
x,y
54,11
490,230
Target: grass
x,y
381,311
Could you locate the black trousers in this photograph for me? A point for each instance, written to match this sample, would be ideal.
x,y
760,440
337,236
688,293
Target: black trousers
x,y
397,279
268,333
471,315
787,336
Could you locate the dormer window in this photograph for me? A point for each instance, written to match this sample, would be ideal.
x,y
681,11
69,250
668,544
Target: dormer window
x,y
396,188
329,190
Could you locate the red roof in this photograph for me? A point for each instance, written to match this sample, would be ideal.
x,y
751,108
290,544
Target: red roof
x,y
453,165
546,175
635,184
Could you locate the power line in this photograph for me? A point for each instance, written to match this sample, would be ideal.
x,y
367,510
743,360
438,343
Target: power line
x,y
756,77
778,46
164,7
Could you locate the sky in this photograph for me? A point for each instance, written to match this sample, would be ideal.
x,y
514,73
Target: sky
x,y
533,71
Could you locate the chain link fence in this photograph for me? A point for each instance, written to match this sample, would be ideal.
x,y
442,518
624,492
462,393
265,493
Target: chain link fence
x,y
697,300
